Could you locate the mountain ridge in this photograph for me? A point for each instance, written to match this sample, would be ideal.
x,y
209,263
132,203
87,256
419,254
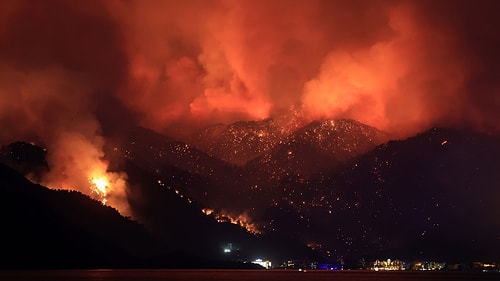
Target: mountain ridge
x,y
413,198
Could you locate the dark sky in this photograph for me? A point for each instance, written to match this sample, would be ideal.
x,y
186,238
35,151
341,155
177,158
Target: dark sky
x,y
72,72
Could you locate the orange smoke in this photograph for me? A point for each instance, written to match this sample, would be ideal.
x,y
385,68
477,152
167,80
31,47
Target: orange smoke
x,y
401,66
386,63
76,163
394,84
51,79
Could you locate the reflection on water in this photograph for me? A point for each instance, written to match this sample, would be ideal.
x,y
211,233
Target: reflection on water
x,y
230,275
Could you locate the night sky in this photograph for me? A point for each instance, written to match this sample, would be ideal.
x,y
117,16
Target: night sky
x,y
75,75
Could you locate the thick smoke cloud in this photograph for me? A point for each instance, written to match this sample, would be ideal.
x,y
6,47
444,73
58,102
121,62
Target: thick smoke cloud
x,y
56,62
79,71
401,66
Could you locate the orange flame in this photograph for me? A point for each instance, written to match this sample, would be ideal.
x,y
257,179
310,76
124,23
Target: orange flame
x,y
77,164
108,187
243,220
100,186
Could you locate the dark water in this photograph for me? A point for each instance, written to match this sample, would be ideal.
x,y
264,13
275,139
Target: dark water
x,y
249,275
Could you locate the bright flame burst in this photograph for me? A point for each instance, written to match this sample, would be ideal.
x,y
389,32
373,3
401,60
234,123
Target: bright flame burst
x,y
99,185
242,220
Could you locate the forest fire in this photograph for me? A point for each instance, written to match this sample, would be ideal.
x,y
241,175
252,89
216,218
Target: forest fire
x,y
109,188
388,64
243,220
75,79
266,82
99,186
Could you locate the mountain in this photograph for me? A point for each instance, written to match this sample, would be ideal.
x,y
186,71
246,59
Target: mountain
x,y
240,142
174,232
333,184
26,158
336,185
430,196
182,167
440,186
272,151
43,228
317,147
171,183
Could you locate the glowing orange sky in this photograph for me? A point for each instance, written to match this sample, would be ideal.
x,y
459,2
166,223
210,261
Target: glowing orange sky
x,y
401,66
396,65
84,69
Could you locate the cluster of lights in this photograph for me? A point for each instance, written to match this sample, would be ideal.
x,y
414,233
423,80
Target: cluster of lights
x,y
264,263
388,265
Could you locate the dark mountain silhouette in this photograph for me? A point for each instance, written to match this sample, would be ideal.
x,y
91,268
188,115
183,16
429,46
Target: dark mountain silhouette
x,y
288,153
43,228
26,158
181,166
71,230
439,188
171,182
430,196
353,199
